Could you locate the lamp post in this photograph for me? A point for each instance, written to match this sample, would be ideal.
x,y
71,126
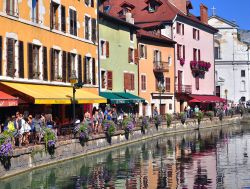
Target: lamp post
x,y
73,80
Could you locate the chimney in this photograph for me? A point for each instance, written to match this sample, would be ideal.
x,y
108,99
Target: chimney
x,y
180,4
204,14
129,18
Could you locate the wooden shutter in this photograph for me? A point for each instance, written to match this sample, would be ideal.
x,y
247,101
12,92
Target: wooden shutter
x,y
51,15
182,29
167,84
93,71
129,55
142,80
93,24
52,65
146,51
132,82
21,60
85,70
64,66
1,56
71,21
10,57
75,23
63,17
125,81
79,68
194,55
30,60
184,52
45,64
198,34
177,27
197,83
178,52
136,56
193,33
109,80
199,54
107,49
69,71
160,56
92,3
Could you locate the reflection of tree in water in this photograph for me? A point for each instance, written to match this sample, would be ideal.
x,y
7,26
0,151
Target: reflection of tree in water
x,y
145,155
201,180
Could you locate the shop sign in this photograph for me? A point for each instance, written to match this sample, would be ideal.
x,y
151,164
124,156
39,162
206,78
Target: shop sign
x,y
7,103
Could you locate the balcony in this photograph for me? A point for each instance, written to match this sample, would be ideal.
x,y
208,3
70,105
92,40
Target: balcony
x,y
160,66
183,89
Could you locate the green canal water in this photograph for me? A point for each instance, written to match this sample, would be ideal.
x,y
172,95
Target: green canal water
x,y
212,158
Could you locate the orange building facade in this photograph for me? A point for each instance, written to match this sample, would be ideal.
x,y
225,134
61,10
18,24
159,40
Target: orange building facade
x,y
47,42
156,73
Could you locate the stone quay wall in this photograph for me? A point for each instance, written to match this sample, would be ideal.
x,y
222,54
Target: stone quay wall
x,y
32,157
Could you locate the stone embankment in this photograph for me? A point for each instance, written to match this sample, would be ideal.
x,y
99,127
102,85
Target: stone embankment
x,y
25,159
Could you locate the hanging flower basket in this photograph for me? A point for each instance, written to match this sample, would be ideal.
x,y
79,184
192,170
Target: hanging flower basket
x,y
6,152
128,126
144,125
200,66
182,61
50,141
109,128
83,133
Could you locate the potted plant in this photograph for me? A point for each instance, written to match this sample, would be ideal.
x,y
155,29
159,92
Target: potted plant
x,y
182,61
50,141
6,149
169,119
157,120
210,114
83,133
144,124
182,117
128,126
199,116
109,128
59,78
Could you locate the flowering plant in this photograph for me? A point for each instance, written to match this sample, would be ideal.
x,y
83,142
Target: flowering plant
x,y
145,122
109,127
128,125
6,149
50,141
182,61
83,133
200,65
157,120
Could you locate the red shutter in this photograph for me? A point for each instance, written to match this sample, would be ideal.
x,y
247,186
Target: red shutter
x,y
142,82
197,83
194,54
167,84
199,54
45,64
178,52
109,80
132,82
129,55
136,56
184,52
93,71
107,49
21,60
182,29
52,66
79,68
1,55
30,60
64,66
125,81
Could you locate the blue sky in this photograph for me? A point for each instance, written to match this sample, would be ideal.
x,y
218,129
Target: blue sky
x,y
231,10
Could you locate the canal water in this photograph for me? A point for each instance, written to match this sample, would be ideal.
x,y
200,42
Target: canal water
x,y
212,158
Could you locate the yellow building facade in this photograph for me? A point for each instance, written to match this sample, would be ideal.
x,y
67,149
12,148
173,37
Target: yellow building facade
x,y
48,42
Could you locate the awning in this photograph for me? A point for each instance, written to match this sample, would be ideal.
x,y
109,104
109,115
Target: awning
x,y
7,100
45,94
113,98
205,99
121,97
132,98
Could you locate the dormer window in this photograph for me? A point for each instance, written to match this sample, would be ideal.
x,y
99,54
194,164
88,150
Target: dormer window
x,y
126,8
151,7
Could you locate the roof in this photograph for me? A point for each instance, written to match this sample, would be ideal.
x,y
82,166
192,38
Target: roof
x,y
166,12
117,20
233,24
150,36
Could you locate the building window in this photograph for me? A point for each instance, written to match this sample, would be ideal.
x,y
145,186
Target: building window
x,y
109,80
196,34
243,73
73,62
35,11
157,56
218,91
57,64
143,51
131,55
129,81
143,83
243,99
73,22
90,3
170,107
179,28
217,51
103,79
89,70
131,35
10,59
54,16
93,34
87,27
104,45
152,7
36,66
11,7
195,55
181,52
243,86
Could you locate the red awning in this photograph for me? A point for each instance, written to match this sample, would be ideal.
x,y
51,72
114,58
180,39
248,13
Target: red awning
x,y
7,100
205,99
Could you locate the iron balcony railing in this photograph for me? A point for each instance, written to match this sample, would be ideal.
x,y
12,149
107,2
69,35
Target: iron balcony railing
x,y
160,66
184,89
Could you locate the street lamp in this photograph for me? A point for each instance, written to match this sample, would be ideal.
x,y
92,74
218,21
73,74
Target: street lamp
x,y
226,91
73,80
161,89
